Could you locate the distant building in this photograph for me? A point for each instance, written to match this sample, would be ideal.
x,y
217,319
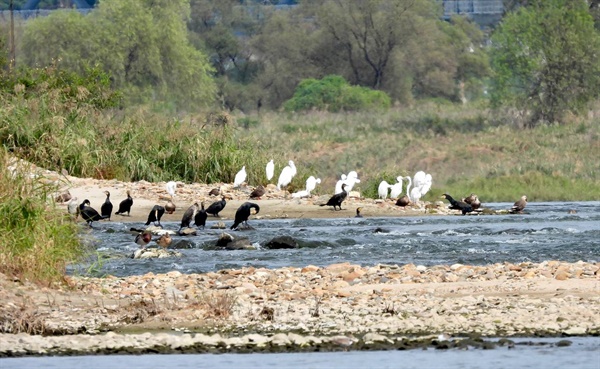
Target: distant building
x,y
483,12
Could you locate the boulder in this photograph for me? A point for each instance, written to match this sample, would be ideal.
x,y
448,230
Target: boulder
x,y
154,253
282,242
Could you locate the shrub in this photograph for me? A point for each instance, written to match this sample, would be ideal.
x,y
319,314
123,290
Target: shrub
x,y
333,93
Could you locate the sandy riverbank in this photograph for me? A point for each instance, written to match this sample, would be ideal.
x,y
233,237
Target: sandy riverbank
x,y
290,309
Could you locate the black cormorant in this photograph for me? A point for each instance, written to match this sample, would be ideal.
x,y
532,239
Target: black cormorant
x,y
458,205
200,218
243,212
107,207
358,215
337,199
216,207
155,214
125,205
188,216
88,213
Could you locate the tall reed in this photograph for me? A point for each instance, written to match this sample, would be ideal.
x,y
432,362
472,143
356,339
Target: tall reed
x,y
37,241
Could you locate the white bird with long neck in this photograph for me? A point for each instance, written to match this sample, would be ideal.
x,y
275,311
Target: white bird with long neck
x,y
383,189
311,183
427,186
171,186
408,186
270,169
339,183
240,177
396,188
285,178
351,180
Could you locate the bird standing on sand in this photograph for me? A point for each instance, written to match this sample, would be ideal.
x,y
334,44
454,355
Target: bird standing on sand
x,y
286,176
63,197
155,214
518,206
107,207
200,217
311,183
88,213
216,207
243,213
125,205
358,215
73,208
383,189
143,238
164,241
258,192
458,205
171,186
240,177
337,199
270,169
189,215
396,188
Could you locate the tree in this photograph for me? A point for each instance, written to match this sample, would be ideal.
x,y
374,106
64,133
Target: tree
x,y
149,58
545,60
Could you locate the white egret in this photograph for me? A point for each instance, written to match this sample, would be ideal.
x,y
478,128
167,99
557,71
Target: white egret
x,y
396,188
270,169
240,177
285,178
338,184
427,186
171,186
301,194
311,183
351,180
383,189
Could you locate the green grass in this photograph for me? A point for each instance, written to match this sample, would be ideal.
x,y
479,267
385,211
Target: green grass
x,y
465,150
37,241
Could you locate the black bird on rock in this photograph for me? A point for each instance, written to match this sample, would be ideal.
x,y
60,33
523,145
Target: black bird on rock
x,y
188,216
107,207
337,199
125,205
243,213
155,214
200,217
216,207
88,213
458,205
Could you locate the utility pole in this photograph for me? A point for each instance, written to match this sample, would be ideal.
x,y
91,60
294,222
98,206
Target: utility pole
x,y
12,56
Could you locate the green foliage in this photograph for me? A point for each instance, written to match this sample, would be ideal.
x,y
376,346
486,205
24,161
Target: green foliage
x,y
37,241
333,93
149,59
545,59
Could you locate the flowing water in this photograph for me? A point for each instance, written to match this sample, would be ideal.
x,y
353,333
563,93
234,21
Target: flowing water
x,y
549,231
583,353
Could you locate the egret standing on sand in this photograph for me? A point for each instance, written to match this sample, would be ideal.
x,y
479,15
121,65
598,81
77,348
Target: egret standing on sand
x,y
285,178
240,177
171,186
351,180
270,169
396,188
311,183
383,189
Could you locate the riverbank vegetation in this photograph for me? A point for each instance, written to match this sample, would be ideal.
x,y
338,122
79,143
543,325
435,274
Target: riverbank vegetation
x,y
192,90
38,240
